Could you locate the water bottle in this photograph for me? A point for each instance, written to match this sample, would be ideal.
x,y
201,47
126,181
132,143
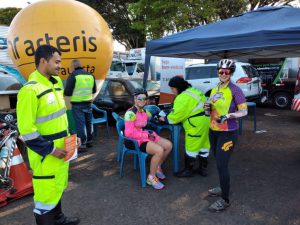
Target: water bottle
x,y
4,153
207,108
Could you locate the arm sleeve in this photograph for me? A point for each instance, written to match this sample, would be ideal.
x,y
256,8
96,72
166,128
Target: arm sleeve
x,y
70,85
131,131
181,110
240,101
26,114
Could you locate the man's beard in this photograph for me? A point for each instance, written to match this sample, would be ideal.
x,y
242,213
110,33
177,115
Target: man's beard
x,y
52,74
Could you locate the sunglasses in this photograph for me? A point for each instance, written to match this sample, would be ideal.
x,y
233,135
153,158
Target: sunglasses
x,y
141,98
224,71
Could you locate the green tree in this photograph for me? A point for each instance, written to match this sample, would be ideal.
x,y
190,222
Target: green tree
x,y
135,21
229,8
119,19
161,17
7,15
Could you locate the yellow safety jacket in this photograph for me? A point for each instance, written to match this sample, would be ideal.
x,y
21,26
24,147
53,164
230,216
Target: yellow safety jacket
x,y
43,124
188,109
83,88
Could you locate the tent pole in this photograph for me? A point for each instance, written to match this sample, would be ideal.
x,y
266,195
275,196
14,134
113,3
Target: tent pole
x,y
146,70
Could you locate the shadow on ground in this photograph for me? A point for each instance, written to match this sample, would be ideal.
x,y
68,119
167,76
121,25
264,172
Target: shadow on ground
x,y
264,177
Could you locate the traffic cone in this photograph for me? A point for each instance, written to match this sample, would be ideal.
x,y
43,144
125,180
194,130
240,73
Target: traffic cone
x,y
22,180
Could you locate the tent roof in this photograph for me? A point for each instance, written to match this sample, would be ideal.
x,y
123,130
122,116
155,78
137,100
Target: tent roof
x,y
267,32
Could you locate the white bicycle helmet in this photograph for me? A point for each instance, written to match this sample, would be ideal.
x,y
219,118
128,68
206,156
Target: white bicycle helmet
x,y
226,64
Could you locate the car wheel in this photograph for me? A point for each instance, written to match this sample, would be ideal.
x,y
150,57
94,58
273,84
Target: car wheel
x,y
282,100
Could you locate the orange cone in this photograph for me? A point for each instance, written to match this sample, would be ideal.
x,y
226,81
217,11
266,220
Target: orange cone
x,y
22,180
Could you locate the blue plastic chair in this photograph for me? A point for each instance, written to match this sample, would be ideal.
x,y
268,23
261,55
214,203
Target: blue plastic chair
x,y
141,156
99,120
116,116
120,139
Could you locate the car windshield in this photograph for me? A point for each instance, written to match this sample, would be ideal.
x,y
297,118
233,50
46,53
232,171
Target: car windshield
x,y
151,85
251,71
117,66
130,68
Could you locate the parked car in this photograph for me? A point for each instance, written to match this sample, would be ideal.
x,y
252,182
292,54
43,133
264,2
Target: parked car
x,y
205,78
116,94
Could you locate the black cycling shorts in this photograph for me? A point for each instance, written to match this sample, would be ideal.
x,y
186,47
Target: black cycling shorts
x,y
130,145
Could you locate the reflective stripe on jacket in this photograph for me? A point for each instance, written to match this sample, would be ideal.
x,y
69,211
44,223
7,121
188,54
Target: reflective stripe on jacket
x,y
43,124
188,110
83,90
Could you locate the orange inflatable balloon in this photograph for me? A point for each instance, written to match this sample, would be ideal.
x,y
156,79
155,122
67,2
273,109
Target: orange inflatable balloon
x,y
76,29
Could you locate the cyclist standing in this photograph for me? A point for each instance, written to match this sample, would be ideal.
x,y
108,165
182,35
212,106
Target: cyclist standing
x,y
227,104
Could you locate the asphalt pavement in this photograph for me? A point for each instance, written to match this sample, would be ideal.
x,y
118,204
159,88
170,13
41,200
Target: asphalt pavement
x,y
265,183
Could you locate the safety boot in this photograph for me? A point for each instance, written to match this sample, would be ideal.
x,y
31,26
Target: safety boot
x,y
202,169
61,219
45,219
188,167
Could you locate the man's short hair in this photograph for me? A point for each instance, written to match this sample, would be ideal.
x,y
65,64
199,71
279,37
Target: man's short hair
x,y
76,63
46,52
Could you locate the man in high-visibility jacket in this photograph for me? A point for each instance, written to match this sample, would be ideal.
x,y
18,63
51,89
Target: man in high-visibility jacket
x,y
43,124
81,86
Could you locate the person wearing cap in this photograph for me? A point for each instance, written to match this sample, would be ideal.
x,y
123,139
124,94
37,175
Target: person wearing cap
x,y
135,123
188,109
227,104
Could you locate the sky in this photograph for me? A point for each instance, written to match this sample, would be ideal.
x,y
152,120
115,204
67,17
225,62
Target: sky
x,y
15,3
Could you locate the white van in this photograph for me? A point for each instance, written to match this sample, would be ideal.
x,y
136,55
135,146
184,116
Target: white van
x,y
117,69
205,78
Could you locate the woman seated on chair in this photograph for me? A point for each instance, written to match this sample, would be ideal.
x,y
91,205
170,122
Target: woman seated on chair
x,y
135,121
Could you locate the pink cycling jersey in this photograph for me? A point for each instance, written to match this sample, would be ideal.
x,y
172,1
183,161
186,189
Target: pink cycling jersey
x,y
135,122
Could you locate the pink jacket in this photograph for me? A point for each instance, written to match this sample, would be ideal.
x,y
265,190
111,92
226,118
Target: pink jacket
x,y
135,121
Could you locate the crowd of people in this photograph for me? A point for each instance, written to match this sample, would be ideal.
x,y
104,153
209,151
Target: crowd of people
x,y
210,126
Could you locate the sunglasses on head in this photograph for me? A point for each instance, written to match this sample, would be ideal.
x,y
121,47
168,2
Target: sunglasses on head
x,y
222,71
141,98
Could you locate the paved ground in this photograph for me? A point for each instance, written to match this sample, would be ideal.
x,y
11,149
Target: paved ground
x,y
264,173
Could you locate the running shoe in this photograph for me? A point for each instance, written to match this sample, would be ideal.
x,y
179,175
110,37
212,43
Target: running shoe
x,y
216,191
155,183
219,205
160,174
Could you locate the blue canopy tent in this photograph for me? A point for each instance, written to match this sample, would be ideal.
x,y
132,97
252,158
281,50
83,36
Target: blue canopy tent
x,y
268,32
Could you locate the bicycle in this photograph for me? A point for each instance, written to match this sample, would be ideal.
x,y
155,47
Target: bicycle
x,y
8,142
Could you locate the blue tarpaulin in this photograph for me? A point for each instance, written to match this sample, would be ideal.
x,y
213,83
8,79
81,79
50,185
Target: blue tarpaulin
x,y
268,32
14,72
